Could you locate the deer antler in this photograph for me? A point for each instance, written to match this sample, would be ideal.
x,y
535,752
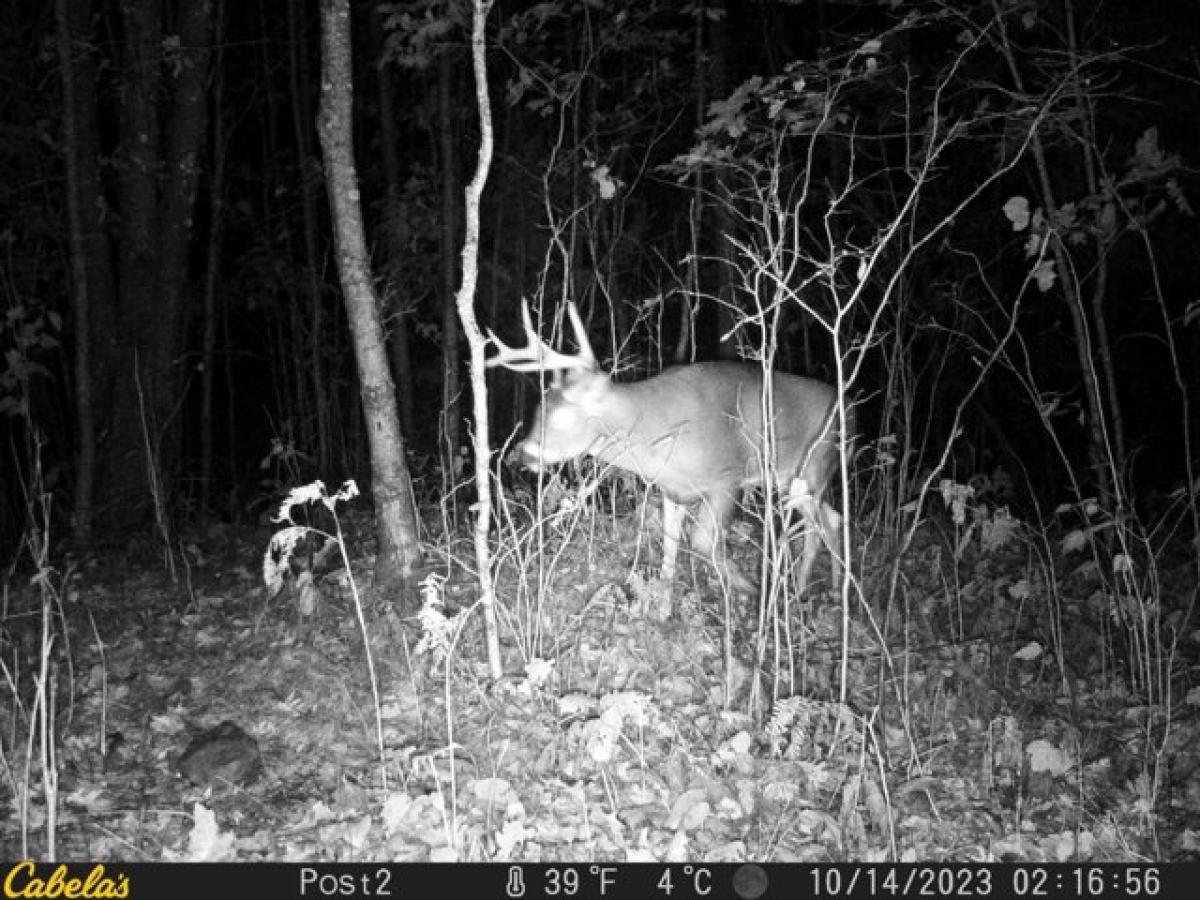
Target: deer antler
x,y
537,355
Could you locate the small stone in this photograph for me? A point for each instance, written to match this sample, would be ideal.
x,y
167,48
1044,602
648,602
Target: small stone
x,y
224,755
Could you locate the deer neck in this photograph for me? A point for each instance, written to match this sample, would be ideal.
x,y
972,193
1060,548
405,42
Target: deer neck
x,y
628,437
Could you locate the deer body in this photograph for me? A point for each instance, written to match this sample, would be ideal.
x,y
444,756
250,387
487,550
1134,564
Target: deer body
x,y
696,433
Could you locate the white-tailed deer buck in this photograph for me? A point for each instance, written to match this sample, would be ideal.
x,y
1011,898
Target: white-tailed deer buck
x,y
695,432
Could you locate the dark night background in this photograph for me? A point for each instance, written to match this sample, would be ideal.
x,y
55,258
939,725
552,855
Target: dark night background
x,y
251,233
171,288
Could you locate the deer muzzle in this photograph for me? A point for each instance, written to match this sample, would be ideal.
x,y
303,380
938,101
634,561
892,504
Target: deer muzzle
x,y
526,454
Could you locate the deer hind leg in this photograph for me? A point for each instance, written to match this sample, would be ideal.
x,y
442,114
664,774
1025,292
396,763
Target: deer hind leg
x,y
831,534
823,525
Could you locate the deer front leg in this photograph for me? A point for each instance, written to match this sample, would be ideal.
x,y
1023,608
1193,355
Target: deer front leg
x,y
708,539
673,515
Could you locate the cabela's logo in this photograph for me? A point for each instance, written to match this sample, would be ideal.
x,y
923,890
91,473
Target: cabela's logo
x,y
23,880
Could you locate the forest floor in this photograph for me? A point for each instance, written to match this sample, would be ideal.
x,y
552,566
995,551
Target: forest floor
x,y
627,728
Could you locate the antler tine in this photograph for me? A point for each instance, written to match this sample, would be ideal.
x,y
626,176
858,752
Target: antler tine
x,y
537,355
581,338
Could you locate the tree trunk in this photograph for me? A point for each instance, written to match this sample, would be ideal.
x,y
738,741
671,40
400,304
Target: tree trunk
x,y
399,307
451,388
399,552
89,247
317,338
465,301
1084,113
685,344
216,203
1085,350
156,198
729,314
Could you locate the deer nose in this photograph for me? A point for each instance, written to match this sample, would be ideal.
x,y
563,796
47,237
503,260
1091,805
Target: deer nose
x,y
524,454
517,455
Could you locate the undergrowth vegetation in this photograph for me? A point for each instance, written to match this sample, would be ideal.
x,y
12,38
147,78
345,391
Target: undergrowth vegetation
x,y
979,700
